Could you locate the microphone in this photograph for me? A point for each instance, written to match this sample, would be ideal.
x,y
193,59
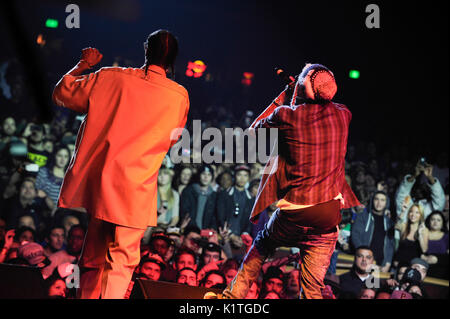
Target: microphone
x,y
287,79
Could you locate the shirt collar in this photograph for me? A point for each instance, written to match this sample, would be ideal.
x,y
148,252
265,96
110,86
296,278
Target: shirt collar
x,y
156,69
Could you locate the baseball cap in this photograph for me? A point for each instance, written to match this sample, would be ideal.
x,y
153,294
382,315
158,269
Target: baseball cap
x,y
34,254
242,167
155,258
400,294
162,236
420,261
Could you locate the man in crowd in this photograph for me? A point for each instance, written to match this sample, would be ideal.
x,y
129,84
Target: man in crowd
x,y
234,205
198,199
28,202
54,240
374,228
352,282
187,276
72,253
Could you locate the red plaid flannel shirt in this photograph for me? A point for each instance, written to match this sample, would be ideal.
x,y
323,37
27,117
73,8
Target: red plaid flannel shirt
x,y
312,142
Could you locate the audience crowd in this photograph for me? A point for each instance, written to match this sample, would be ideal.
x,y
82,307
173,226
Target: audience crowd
x,y
203,229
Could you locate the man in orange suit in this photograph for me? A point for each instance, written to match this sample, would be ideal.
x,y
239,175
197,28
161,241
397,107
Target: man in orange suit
x,y
131,114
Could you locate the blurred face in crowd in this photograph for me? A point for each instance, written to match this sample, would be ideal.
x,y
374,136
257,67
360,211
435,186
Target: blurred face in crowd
x,y
242,178
37,134
160,246
293,285
253,291
415,290
383,295
70,221
57,289
255,170
75,241
367,294
420,268
226,181
274,284
379,202
210,256
212,280
164,177
26,236
363,261
9,126
254,190
188,277
56,238
205,178
436,222
27,221
185,175
186,260
189,242
27,191
62,158
360,177
230,274
151,270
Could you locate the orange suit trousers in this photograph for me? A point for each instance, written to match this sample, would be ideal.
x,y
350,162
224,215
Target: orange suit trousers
x,y
109,256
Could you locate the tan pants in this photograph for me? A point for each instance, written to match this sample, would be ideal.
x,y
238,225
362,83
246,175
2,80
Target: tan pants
x,y
110,254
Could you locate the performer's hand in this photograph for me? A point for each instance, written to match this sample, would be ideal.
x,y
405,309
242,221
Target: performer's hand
x,y
91,56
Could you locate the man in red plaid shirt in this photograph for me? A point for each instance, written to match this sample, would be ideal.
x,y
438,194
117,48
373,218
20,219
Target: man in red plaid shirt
x,y
308,181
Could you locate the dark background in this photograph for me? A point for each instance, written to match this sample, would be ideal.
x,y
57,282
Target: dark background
x,y
401,97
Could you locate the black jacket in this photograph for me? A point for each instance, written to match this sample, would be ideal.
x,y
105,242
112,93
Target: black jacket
x,y
225,209
188,206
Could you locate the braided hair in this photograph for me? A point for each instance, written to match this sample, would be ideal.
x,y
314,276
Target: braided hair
x,y
161,49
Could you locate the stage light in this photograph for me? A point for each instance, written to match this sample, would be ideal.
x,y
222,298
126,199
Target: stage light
x,y
247,78
195,69
51,23
40,40
354,74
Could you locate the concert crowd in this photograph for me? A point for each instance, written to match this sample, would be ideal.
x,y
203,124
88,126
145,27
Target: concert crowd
x,y
203,232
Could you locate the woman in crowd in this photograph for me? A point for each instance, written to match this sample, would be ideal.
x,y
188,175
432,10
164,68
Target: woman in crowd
x,y
50,177
168,199
413,236
183,178
437,254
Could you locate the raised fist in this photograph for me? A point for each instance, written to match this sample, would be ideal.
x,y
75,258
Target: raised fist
x,y
91,56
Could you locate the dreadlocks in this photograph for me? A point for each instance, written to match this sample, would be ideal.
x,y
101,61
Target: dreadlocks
x,y
161,49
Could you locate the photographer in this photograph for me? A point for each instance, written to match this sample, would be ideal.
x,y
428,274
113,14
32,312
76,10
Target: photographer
x,y
428,192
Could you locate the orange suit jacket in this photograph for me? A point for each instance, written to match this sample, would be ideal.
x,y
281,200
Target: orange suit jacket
x,y
121,142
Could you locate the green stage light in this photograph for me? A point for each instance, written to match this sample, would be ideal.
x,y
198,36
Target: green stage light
x,y
354,74
51,23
